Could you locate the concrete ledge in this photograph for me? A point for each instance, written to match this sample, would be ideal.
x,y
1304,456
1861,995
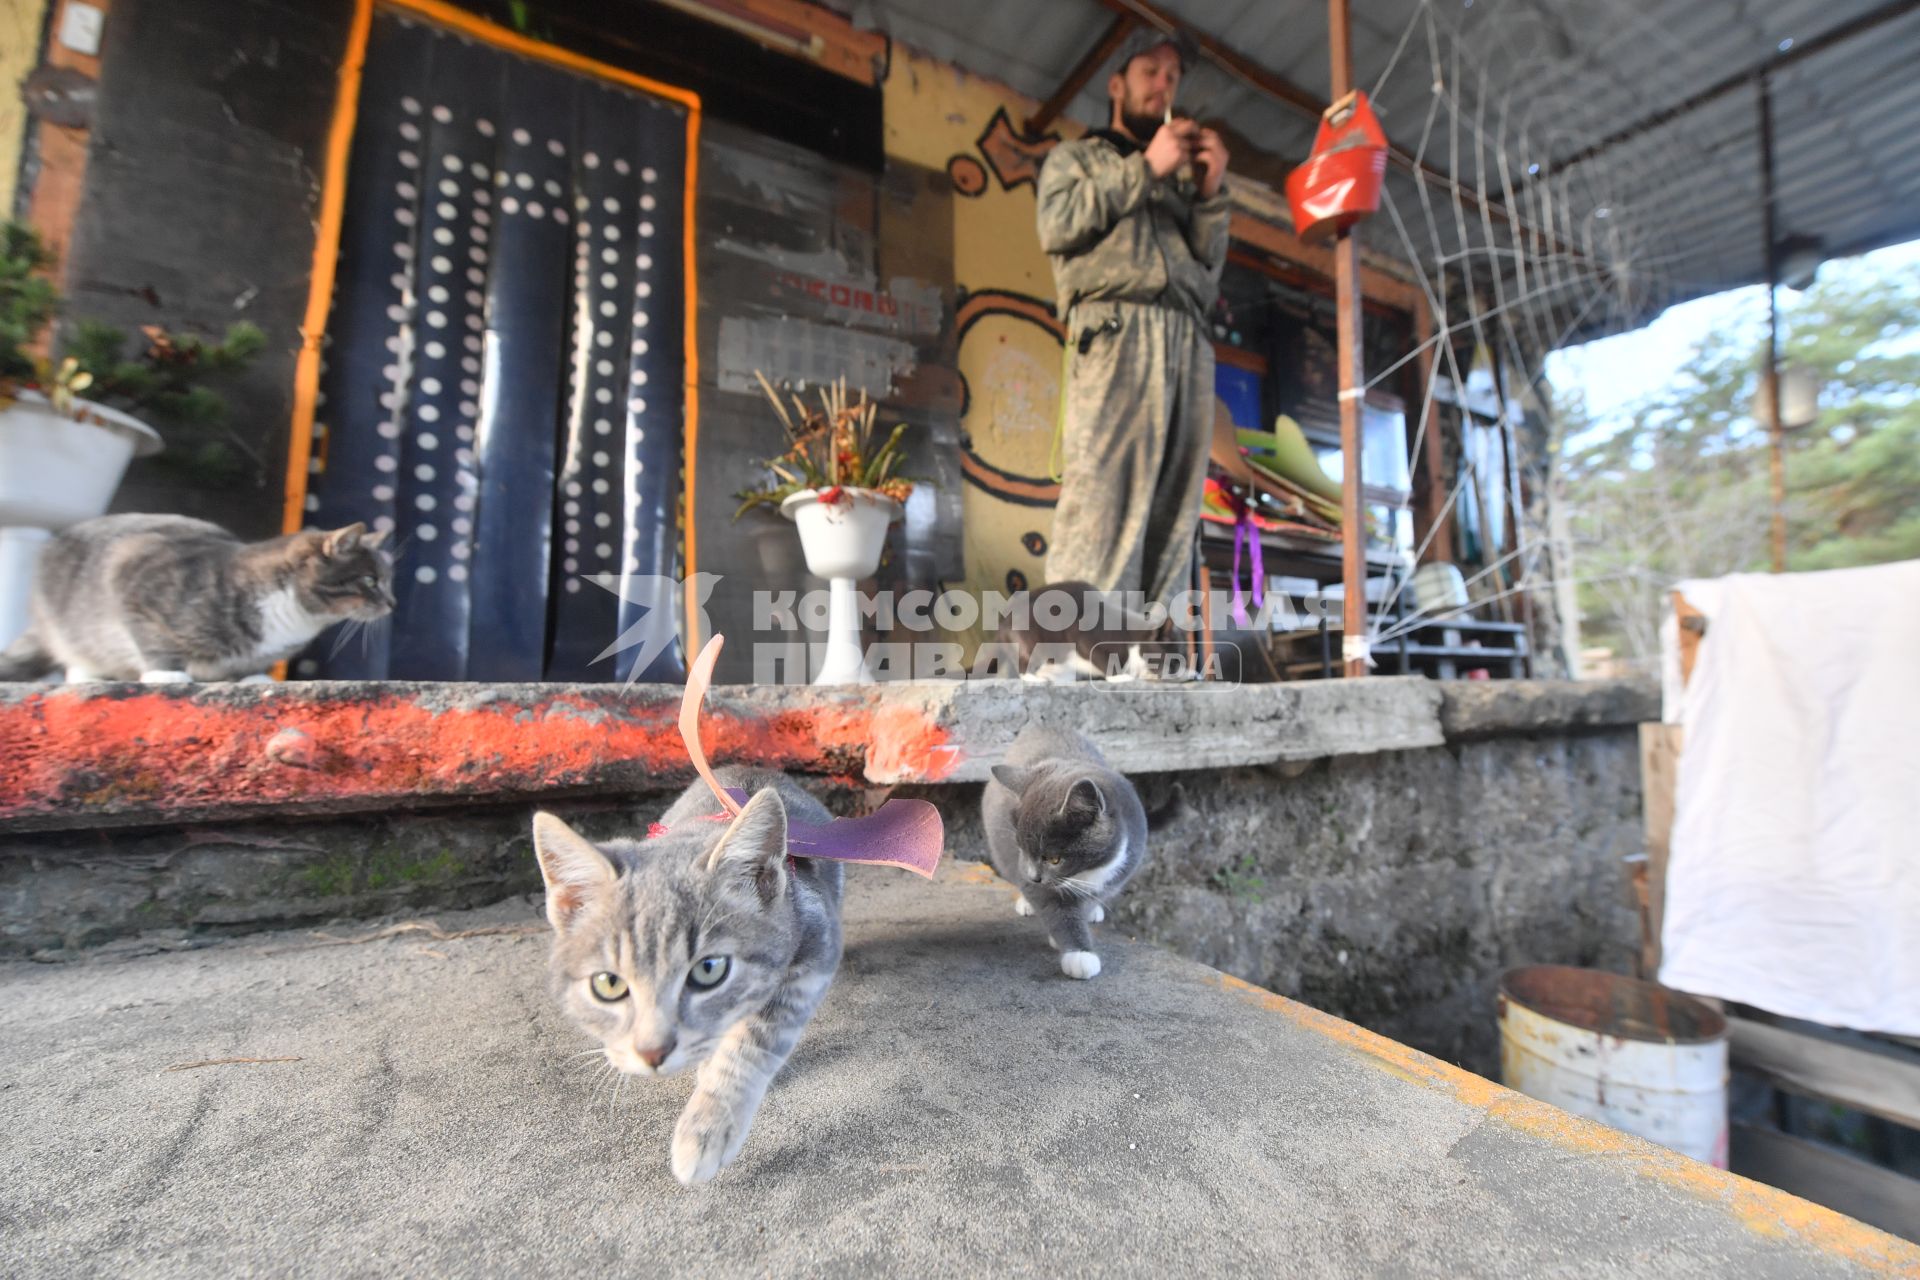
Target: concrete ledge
x,y
415,1104
116,755
1501,708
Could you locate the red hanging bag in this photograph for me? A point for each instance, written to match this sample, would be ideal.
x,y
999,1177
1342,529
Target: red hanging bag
x,y
1340,182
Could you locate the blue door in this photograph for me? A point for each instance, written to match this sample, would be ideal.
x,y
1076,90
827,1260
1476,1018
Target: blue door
x,y
503,380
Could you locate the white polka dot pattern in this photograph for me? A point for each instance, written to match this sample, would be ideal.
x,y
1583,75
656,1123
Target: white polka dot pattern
x,y
478,181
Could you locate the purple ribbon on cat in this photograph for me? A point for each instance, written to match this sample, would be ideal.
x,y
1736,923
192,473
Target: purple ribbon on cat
x,y
900,833
1245,530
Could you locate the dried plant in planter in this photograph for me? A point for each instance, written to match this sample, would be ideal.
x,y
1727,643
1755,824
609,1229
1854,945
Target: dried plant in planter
x,y
830,449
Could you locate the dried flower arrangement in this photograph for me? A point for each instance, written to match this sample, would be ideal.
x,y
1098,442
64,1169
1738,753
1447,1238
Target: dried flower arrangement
x,y
830,449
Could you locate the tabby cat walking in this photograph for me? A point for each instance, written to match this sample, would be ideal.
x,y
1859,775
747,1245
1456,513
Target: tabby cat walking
x,y
704,946
167,599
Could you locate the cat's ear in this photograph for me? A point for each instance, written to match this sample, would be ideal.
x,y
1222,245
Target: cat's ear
x,y
575,870
373,540
1086,796
342,542
1014,777
755,846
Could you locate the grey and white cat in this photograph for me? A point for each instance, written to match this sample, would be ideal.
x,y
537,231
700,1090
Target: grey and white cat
x,y
702,947
1069,833
168,599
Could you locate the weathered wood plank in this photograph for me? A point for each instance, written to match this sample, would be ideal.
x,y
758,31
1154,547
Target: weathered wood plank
x,y
1884,1083
1659,776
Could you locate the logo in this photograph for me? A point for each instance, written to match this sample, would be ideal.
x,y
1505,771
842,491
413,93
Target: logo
x,y
1050,635
656,601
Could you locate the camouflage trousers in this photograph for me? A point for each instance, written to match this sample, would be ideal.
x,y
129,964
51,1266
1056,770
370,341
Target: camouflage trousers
x,y
1139,422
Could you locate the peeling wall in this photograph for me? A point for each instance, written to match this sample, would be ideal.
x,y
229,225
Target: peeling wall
x,y
21,22
1007,355
809,271
202,189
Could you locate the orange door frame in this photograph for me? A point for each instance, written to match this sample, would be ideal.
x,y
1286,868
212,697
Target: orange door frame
x,y
326,248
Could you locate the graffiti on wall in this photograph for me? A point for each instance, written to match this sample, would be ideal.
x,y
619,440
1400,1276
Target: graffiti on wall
x,y
1008,341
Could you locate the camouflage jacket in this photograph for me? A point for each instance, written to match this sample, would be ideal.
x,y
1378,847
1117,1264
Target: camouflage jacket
x,y
1116,233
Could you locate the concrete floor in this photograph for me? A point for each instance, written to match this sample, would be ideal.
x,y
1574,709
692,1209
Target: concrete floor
x,y
957,1108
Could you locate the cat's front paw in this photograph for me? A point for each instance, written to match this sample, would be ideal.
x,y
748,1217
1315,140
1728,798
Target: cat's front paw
x,y
1080,964
258,678
704,1141
1095,913
165,677
1021,907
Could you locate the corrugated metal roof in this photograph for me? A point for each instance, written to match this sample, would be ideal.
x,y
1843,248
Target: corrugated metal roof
x,y
1669,213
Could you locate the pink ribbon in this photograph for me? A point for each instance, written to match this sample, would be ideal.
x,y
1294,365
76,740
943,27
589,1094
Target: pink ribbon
x,y
902,833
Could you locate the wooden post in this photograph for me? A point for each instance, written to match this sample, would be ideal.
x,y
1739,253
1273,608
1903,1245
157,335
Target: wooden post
x,y
1353,381
1776,437
1435,528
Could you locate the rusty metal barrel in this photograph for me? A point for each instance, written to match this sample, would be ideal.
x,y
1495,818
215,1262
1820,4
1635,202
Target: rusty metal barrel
x,y
1627,1053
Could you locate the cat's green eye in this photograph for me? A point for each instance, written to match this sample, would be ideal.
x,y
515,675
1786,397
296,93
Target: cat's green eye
x,y
1052,862
609,987
710,971
370,584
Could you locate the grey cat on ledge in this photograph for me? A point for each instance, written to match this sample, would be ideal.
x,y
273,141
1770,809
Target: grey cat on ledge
x,y
167,599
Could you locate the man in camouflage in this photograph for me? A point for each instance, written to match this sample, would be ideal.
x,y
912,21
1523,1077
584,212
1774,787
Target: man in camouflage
x,y
1133,219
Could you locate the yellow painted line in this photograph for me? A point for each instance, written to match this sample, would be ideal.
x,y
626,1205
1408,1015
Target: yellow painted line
x,y
1763,1210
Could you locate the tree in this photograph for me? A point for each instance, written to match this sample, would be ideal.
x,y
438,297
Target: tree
x,y
1681,490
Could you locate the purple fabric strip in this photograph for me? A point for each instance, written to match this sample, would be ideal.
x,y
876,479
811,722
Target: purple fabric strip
x,y
1247,533
901,833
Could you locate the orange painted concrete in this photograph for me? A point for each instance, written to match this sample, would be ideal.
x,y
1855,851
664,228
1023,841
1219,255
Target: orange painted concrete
x,y
92,755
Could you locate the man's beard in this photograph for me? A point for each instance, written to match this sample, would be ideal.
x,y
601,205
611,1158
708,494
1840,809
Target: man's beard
x,y
1141,127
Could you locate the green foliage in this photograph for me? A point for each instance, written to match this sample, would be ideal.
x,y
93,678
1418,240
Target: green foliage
x,y
27,299
161,383
1682,489
1240,879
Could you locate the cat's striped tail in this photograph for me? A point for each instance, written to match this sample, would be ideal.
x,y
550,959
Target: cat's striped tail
x,y
25,659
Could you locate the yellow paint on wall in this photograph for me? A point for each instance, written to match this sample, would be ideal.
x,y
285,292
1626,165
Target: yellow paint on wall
x,y
21,22
936,115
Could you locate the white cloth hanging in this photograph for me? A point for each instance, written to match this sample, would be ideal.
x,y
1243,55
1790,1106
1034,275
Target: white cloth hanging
x,y
1793,881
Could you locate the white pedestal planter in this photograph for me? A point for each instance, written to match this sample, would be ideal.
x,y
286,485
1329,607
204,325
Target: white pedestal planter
x,y
842,540
54,472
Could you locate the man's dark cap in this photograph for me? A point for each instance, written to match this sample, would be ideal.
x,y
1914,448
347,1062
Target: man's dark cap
x,y
1147,39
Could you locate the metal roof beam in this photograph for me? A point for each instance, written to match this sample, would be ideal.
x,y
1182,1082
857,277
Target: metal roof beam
x,y
1083,71
1740,79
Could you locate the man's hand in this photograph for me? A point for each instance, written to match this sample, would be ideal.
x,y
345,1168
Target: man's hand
x,y
1172,146
1209,162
